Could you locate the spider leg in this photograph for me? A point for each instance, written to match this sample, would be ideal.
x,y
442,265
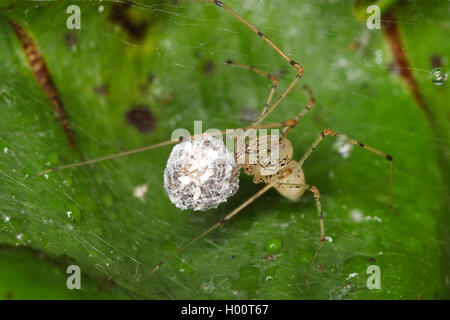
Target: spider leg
x,y
264,74
311,103
284,124
274,79
332,133
221,222
316,195
279,99
108,157
297,66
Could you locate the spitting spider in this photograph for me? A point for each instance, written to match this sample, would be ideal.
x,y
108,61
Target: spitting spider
x,y
201,172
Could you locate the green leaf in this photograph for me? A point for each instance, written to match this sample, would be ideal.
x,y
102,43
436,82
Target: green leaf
x,y
26,274
170,60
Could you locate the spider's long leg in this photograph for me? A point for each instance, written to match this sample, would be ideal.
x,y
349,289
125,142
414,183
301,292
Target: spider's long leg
x,y
330,132
297,66
316,195
108,157
311,103
224,219
264,74
279,99
284,124
220,4
275,81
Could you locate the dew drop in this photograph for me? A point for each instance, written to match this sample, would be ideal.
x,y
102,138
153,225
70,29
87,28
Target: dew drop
x,y
20,237
270,274
67,182
140,191
73,213
273,245
343,146
356,215
438,76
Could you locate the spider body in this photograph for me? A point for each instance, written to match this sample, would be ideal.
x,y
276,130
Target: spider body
x,y
201,173
269,167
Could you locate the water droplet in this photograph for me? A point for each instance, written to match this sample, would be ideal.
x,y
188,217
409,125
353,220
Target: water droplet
x,y
20,239
352,275
270,273
356,215
438,76
73,213
343,146
273,245
67,182
140,191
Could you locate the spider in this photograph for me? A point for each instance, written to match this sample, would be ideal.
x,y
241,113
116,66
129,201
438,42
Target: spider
x,y
288,177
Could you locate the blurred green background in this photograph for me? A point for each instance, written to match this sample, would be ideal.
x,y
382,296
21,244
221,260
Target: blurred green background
x,y
137,70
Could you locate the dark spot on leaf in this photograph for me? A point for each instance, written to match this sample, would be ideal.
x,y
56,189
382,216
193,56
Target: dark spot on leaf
x,y
436,61
209,67
71,39
141,118
268,257
105,283
371,259
151,77
101,89
120,14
